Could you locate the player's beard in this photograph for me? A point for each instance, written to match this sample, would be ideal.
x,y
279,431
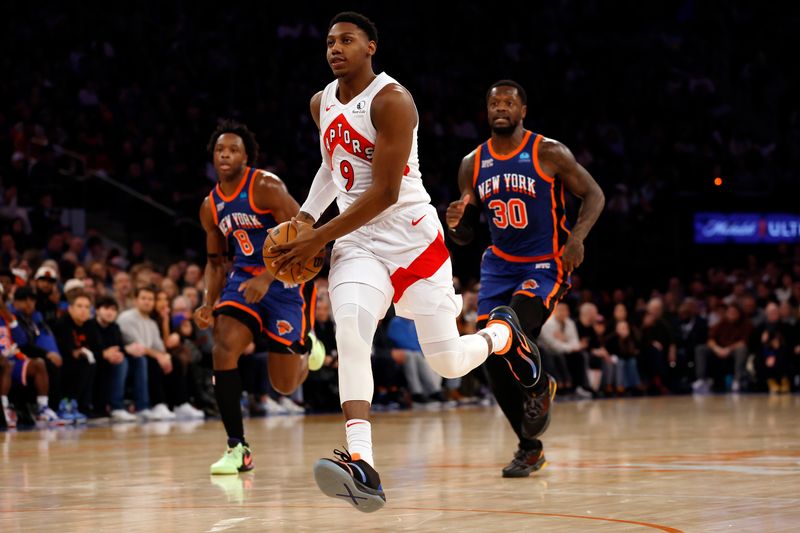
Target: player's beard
x,y
505,131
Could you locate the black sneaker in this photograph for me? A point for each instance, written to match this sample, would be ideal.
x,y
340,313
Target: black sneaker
x,y
524,463
354,481
536,414
520,352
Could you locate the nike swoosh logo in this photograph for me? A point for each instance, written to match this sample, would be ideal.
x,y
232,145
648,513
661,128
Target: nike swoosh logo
x,y
328,108
247,460
415,222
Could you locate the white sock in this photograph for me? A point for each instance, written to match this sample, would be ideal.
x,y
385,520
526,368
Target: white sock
x,y
499,335
359,439
41,401
4,400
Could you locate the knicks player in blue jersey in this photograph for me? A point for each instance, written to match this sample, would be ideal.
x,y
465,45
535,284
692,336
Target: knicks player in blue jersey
x,y
518,180
244,302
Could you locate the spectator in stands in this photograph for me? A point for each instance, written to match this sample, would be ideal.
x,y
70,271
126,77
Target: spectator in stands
x,y
112,367
79,345
423,383
47,295
36,340
773,350
123,290
727,341
659,350
624,344
21,372
559,338
138,327
691,332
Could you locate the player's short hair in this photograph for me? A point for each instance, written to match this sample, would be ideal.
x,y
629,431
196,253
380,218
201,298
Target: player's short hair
x,y
509,83
76,295
145,288
359,20
247,136
106,301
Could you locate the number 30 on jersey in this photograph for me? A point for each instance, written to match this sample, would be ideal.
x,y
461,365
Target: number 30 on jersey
x,y
512,213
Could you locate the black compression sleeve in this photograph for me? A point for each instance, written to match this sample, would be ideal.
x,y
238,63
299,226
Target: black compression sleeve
x,y
465,231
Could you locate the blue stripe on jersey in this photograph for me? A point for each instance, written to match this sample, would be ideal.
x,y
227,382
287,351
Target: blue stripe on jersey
x,y
525,208
243,227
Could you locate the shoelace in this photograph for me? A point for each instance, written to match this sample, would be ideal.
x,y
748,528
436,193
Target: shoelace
x,y
343,456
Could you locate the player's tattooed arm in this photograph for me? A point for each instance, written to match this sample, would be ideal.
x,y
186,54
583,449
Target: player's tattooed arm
x,y
556,159
463,214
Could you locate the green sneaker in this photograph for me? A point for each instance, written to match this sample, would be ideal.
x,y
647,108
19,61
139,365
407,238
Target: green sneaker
x,y
235,460
317,355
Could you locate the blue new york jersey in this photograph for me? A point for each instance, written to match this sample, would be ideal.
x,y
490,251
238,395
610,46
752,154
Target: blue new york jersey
x,y
244,225
524,206
528,226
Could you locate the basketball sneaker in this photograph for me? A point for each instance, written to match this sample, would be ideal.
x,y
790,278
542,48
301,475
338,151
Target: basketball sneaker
x,y
236,459
536,416
316,357
79,418
351,479
524,463
65,413
48,416
520,352
9,417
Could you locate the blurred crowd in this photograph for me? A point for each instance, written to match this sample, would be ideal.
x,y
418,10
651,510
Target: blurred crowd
x,y
94,326
97,338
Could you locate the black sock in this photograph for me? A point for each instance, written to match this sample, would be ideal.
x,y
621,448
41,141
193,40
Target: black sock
x,y
228,390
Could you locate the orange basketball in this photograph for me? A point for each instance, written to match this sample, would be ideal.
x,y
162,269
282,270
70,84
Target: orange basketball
x,y
281,234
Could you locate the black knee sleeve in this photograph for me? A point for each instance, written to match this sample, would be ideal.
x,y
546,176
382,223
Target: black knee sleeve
x,y
532,313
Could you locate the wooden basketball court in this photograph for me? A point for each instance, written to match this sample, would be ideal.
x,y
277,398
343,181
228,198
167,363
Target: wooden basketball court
x,y
670,464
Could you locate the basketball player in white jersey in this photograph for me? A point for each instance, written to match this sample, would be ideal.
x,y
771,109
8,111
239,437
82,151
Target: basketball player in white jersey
x,y
389,249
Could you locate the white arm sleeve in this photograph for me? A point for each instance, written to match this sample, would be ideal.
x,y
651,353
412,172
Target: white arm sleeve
x,y
323,192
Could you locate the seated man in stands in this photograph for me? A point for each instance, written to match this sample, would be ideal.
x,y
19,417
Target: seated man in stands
x,y
725,350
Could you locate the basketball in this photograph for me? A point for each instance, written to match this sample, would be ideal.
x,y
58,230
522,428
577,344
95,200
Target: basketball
x,y
282,234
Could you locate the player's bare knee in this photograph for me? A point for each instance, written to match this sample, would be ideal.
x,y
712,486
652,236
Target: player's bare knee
x,y
36,366
284,384
224,354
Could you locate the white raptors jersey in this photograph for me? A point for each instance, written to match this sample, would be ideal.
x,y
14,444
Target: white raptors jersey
x,y
347,141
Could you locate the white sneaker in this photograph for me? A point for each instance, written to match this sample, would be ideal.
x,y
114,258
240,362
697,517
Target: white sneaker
x,y
11,417
121,415
186,411
147,415
291,407
47,416
274,408
701,386
736,387
162,412
582,393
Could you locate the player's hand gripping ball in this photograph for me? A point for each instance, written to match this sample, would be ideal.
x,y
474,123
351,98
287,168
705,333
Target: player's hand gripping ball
x,y
284,233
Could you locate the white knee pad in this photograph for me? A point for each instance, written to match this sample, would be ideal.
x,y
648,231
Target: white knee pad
x,y
355,329
444,357
449,355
